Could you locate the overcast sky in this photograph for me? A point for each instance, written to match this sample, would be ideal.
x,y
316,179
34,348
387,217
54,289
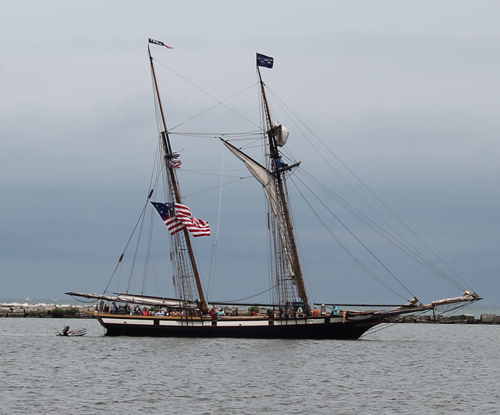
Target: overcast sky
x,y
405,93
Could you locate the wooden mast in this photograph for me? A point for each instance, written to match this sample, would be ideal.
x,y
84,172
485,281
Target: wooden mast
x,y
274,154
175,187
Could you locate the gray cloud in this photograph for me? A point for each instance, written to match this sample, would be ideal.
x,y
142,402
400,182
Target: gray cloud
x,y
406,98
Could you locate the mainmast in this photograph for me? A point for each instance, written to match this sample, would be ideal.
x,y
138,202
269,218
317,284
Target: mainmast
x,y
184,266
278,171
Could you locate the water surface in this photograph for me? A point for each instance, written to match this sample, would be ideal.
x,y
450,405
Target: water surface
x,y
404,368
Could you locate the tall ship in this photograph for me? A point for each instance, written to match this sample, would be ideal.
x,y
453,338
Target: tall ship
x,y
189,313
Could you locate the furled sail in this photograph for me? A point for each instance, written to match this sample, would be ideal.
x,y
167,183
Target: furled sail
x,y
137,299
466,296
266,179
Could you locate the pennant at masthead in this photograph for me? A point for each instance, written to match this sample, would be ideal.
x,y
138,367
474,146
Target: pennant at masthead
x,y
157,42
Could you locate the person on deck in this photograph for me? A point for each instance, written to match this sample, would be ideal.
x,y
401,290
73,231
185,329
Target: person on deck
x,y
315,312
322,310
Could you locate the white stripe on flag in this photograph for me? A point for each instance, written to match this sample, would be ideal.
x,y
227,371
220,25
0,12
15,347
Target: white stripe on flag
x,y
196,226
174,225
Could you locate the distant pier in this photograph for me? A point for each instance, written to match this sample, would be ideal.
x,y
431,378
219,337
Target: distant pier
x,y
44,310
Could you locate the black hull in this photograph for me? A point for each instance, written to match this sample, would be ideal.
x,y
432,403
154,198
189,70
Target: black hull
x,y
321,328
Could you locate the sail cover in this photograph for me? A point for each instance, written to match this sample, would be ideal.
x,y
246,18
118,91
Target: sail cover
x,y
266,179
282,134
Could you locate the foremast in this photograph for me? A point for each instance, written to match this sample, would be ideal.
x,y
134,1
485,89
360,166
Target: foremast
x,y
184,266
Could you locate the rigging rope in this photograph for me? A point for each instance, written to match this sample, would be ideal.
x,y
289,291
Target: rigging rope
x,y
126,246
408,249
252,296
211,96
213,259
401,318
351,255
136,249
437,270
217,135
215,187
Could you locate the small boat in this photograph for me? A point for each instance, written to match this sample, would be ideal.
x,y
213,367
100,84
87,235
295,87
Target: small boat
x,y
67,332
289,314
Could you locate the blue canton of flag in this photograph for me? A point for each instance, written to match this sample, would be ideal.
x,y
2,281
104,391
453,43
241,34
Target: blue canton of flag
x,y
264,61
164,209
167,214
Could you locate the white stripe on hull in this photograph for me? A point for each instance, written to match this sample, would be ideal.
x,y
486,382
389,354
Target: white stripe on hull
x,y
130,321
238,323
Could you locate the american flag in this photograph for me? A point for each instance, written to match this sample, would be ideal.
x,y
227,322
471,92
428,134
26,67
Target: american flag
x,y
177,217
157,42
174,164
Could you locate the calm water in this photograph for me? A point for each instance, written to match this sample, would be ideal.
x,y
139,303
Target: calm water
x,y
403,369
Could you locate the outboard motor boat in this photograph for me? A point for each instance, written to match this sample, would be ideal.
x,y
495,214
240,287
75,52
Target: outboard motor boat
x,y
64,331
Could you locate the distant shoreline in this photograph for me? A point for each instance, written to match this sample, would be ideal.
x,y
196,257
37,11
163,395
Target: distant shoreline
x,y
35,309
